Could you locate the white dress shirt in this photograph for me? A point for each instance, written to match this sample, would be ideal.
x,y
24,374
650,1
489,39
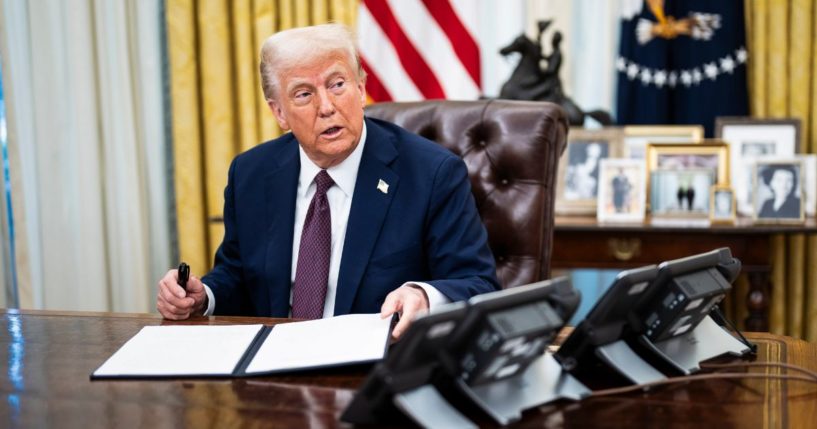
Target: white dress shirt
x,y
340,202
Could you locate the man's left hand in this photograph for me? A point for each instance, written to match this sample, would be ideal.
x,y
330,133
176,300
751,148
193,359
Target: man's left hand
x,y
409,301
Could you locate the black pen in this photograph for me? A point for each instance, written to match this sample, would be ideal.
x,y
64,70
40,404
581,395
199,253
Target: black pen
x,y
183,275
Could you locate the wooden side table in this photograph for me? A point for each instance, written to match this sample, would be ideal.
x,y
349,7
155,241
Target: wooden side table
x,y
583,242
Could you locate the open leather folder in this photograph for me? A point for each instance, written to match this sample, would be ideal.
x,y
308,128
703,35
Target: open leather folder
x,y
247,350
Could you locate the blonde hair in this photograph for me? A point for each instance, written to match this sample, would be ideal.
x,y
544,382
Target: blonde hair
x,y
290,48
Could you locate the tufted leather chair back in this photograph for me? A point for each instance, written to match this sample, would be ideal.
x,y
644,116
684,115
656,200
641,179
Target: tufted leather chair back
x,y
512,150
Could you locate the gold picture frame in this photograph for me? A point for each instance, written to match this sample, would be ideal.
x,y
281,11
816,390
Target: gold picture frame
x,y
722,204
577,184
765,209
707,154
636,137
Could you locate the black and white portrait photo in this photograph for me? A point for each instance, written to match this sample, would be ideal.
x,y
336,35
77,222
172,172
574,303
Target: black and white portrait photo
x,y
582,175
578,182
779,196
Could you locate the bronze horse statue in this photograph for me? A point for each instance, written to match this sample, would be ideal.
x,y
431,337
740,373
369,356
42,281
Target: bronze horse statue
x,y
530,82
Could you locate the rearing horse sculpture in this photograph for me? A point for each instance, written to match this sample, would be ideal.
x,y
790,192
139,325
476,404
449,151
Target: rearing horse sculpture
x,y
530,82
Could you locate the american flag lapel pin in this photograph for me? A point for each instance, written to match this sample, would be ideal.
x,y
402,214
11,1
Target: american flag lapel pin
x,y
383,186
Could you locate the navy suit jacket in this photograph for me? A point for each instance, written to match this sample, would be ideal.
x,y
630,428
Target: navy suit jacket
x,y
425,228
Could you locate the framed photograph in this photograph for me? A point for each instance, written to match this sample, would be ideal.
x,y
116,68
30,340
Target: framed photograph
x,y
681,193
578,183
722,204
750,138
809,187
636,137
712,155
622,191
779,191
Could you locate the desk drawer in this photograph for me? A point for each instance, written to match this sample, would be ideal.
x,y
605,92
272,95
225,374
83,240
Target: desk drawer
x,y
599,249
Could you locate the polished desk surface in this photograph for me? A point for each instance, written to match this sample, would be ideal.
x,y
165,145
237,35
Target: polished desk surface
x,y
48,356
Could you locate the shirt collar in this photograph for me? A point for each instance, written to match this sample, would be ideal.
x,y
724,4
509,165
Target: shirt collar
x,y
344,174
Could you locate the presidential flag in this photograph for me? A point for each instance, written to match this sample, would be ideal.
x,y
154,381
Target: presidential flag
x,y
419,49
681,62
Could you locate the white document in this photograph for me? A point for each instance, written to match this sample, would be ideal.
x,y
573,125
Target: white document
x,y
352,338
181,350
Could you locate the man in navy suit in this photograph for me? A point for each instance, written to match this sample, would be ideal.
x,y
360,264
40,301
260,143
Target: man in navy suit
x,y
345,214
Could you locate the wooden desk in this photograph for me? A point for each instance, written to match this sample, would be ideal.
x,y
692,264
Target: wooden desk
x,y
582,242
48,356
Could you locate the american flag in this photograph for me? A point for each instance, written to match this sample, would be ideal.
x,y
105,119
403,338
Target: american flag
x,y
419,49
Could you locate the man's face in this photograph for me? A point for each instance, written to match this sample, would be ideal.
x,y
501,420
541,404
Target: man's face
x,y
322,103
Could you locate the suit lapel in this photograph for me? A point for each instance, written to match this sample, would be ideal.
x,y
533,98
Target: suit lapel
x,y
369,207
280,187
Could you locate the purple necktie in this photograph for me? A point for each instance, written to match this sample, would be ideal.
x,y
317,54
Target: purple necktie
x,y
312,273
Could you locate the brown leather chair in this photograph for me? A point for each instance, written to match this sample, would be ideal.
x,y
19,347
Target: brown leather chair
x,y
512,151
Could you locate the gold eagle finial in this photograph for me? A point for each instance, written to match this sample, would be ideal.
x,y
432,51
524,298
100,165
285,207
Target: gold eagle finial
x,y
697,25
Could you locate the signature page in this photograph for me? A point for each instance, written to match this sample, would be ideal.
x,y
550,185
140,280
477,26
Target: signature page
x,y
180,351
352,338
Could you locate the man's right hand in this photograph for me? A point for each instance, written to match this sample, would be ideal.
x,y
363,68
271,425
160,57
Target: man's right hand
x,y
174,304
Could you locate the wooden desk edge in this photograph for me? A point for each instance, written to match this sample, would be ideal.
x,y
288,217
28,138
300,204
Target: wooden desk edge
x,y
272,321
148,316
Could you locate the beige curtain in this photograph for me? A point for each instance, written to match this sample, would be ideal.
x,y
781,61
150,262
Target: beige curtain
x,y
86,149
217,105
782,37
